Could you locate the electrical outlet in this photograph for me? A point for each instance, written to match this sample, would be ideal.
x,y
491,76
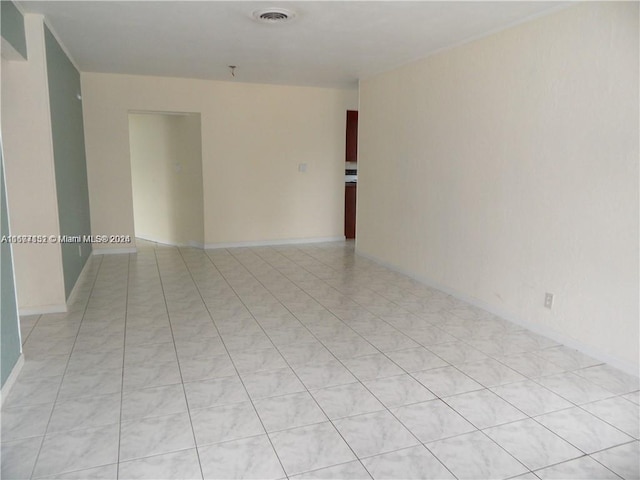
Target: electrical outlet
x,y
302,167
548,300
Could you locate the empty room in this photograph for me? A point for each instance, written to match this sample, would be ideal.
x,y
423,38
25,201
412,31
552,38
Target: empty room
x,y
320,240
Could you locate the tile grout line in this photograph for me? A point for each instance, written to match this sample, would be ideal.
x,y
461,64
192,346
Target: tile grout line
x,y
173,339
124,352
489,388
462,393
361,382
459,339
44,436
441,399
233,363
573,460
35,324
323,280
294,372
253,269
462,340
406,372
358,381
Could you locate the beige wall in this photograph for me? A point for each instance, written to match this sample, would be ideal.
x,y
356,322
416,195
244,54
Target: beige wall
x,y
30,177
166,173
508,167
253,139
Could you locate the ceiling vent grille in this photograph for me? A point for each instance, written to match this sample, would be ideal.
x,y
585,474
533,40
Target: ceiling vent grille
x,y
273,15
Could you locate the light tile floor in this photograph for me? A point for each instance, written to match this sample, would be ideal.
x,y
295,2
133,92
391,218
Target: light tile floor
x,y
301,362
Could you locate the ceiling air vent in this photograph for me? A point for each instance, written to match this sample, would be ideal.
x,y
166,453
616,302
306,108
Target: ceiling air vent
x,y
273,15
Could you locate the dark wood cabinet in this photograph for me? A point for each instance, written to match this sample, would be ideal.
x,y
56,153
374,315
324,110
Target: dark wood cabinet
x,y
350,193
351,150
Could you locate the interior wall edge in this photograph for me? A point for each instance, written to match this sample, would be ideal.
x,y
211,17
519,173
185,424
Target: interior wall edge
x,y
60,43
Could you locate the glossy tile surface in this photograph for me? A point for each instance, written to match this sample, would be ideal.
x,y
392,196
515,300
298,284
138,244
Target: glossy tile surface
x,y
77,450
309,448
155,435
619,412
532,444
623,460
578,469
531,398
183,464
399,390
346,400
251,458
346,471
484,408
474,456
411,463
373,433
433,420
584,430
289,411
301,361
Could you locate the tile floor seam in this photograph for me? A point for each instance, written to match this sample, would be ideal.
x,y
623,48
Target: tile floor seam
x,y
322,289
605,466
234,366
581,407
489,390
23,341
44,436
541,386
560,437
589,413
173,339
505,450
299,379
390,359
388,410
440,398
358,381
586,455
537,380
124,351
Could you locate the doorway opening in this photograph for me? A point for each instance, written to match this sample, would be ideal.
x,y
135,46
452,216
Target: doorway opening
x,y
166,177
351,175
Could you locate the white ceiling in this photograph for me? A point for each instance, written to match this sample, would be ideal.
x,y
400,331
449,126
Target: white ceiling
x,y
330,43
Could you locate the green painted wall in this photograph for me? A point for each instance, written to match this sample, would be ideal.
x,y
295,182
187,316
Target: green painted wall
x,y
9,326
69,158
12,27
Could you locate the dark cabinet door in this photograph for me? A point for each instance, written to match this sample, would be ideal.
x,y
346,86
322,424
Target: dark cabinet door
x,y
350,191
351,153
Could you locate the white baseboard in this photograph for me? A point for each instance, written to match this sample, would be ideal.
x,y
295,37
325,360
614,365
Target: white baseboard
x,y
543,330
190,243
113,251
43,309
268,243
11,379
